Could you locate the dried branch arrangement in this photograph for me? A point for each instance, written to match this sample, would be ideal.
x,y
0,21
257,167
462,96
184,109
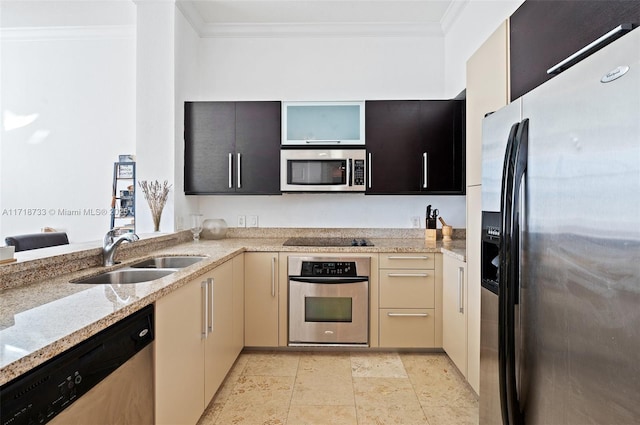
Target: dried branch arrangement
x,y
156,195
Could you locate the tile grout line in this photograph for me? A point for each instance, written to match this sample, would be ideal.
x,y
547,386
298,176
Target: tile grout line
x,y
293,388
353,388
415,392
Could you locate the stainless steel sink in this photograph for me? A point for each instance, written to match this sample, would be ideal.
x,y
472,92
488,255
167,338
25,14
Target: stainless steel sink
x,y
167,262
127,276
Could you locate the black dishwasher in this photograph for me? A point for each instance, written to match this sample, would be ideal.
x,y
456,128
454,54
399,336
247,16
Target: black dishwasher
x,y
45,391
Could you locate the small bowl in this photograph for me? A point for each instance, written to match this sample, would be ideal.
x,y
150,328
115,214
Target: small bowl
x,y
214,228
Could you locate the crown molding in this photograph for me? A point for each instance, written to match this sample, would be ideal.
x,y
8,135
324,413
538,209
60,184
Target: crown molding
x,y
452,14
97,32
192,16
320,30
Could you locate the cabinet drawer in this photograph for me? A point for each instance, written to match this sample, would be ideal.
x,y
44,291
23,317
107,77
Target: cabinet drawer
x,y
404,328
407,261
407,288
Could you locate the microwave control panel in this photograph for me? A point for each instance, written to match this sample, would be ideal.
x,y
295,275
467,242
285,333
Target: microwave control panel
x,y
358,172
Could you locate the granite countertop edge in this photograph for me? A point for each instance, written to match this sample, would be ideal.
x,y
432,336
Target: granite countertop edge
x,y
91,309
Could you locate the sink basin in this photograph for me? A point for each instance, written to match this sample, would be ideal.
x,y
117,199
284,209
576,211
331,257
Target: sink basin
x,y
126,276
167,262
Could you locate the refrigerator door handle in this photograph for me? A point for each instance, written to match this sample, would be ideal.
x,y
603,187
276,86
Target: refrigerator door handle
x,y
505,211
514,168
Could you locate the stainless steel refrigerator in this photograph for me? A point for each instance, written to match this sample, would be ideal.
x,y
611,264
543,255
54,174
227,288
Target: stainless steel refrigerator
x,y
560,318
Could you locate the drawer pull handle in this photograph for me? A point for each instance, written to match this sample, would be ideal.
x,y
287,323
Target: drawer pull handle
x,y
407,274
420,257
407,314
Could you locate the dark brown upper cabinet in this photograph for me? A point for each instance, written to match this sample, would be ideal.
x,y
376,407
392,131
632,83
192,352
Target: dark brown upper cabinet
x,y
232,148
543,33
415,147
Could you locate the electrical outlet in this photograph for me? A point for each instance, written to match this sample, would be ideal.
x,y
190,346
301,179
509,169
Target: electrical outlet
x,y
415,222
252,221
242,222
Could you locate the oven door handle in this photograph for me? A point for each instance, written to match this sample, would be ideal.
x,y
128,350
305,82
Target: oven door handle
x,y
328,280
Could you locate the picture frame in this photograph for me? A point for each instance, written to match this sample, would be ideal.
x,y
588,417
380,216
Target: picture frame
x,y
125,171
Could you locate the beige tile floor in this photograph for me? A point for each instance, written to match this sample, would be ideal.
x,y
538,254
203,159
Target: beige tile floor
x,y
342,388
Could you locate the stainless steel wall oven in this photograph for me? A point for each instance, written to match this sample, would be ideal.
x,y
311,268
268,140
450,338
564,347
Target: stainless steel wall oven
x,y
328,301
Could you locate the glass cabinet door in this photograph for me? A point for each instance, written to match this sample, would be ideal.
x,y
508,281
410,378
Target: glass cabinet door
x,y
318,123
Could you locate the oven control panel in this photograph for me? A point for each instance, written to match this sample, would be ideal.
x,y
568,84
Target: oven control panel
x,y
328,268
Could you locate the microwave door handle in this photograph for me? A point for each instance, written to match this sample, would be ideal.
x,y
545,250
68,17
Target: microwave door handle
x,y
349,165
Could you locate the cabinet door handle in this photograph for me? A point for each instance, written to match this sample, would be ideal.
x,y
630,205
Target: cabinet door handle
x,y
205,309
424,170
586,50
369,169
461,290
418,257
273,276
322,142
239,168
230,171
407,314
407,274
210,285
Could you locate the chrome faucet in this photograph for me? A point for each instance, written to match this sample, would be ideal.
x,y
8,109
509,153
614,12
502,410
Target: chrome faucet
x,y
111,243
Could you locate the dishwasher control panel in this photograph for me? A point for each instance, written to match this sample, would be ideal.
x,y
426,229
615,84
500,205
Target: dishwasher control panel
x,y
37,396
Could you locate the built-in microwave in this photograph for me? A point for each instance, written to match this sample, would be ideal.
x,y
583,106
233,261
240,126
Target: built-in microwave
x,y
322,170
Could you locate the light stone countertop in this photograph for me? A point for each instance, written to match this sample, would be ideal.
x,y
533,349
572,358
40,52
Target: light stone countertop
x,y
47,316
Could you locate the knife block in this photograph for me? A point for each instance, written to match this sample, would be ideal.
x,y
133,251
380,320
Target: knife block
x,y
430,235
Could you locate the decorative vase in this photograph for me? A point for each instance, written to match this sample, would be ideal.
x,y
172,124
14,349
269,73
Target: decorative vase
x,y
214,228
156,194
156,220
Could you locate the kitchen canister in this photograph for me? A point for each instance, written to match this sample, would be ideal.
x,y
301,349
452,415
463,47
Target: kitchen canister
x,y
214,228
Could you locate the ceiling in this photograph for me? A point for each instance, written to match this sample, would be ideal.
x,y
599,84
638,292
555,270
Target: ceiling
x,y
41,13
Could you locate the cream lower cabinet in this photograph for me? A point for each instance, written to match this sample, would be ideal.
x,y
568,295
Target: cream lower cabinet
x,y
454,311
409,307
238,304
195,344
261,299
219,352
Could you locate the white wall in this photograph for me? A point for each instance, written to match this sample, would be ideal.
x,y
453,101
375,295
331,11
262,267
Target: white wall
x,y
80,83
322,68
155,97
325,68
472,26
186,87
333,210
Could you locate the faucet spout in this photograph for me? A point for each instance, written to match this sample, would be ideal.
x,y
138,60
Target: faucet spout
x,y
111,243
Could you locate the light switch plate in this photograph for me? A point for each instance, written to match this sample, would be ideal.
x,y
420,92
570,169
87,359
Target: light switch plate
x,y
252,221
242,222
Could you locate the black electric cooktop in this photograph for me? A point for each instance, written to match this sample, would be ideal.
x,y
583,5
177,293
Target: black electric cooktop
x,y
327,242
